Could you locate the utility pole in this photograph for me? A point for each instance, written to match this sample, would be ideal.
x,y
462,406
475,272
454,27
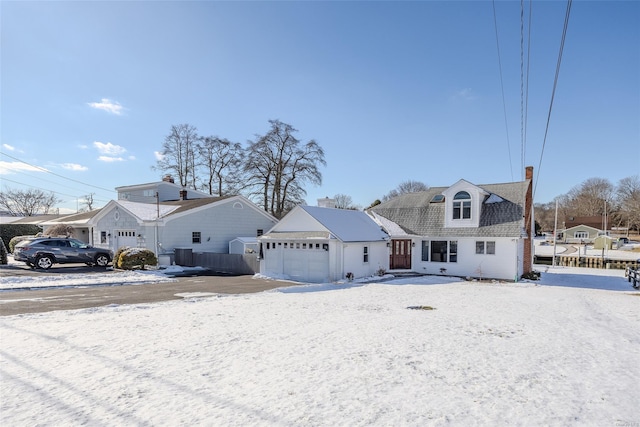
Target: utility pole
x,y
555,236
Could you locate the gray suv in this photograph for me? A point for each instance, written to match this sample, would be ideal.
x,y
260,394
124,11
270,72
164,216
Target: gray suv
x,y
43,252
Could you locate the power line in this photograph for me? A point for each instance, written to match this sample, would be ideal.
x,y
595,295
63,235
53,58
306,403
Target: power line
x,y
504,103
49,182
555,84
51,191
55,174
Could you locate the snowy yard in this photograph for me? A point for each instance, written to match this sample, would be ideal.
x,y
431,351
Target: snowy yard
x,y
561,351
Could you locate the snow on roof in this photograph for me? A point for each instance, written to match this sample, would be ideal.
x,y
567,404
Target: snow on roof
x,y
391,227
493,198
347,225
147,211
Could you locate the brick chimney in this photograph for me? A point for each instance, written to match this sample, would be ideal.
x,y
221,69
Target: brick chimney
x,y
528,222
168,178
183,194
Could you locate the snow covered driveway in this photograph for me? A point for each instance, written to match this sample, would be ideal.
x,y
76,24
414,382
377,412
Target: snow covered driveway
x,y
489,354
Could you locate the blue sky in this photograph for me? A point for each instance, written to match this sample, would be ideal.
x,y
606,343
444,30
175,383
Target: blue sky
x,y
392,91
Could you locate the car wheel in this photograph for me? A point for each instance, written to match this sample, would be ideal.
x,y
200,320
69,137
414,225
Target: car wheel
x,y
45,262
102,260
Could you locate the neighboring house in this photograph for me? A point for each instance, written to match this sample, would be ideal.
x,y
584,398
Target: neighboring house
x,y
202,225
596,222
466,230
581,234
163,191
80,222
318,244
170,220
38,220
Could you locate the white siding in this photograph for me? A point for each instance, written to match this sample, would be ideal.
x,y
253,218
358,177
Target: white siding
x,y
218,225
114,220
313,265
501,265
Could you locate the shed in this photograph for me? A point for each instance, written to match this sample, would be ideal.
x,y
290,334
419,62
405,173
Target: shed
x,y
603,242
243,245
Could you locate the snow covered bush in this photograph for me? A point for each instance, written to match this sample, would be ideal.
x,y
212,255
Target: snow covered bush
x,y
135,259
116,256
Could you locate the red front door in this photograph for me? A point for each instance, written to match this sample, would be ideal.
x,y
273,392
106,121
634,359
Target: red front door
x,y
400,257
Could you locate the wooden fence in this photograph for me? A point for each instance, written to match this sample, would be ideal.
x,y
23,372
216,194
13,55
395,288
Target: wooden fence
x,y
219,263
594,262
633,276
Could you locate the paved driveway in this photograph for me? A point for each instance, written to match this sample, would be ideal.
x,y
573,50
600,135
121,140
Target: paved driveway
x,y
43,300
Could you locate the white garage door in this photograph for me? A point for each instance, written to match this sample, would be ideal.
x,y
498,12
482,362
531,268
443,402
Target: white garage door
x,y
307,265
126,238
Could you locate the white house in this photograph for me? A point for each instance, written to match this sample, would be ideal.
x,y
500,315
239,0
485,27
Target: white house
x,y
163,216
153,192
202,225
317,244
467,230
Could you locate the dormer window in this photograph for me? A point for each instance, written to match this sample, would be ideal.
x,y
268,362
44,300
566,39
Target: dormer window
x,y
462,205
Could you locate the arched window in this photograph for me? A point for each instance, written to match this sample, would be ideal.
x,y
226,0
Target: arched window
x,y
462,205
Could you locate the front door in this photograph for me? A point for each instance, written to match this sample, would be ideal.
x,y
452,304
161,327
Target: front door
x,y
400,257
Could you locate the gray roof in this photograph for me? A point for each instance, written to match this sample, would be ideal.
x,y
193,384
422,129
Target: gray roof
x,y
415,213
345,225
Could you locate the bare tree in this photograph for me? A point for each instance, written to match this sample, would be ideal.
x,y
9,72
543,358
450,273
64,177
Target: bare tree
x,y
27,202
221,159
178,154
277,166
545,215
588,198
345,202
405,187
87,202
628,192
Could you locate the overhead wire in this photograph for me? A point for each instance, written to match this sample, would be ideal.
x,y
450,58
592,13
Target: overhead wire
x,y
50,182
55,174
553,92
504,103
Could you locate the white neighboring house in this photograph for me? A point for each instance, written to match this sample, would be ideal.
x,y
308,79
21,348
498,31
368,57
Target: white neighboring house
x,y
153,192
316,244
467,230
163,216
202,225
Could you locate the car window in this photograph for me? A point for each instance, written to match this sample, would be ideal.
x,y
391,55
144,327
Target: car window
x,y
76,244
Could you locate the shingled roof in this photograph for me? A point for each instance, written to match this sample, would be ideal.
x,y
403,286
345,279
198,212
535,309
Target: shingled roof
x,y
500,216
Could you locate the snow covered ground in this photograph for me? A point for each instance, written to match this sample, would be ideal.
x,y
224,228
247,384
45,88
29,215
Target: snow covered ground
x,y
561,351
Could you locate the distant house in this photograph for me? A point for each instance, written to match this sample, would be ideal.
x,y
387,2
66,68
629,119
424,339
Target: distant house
x,y
596,222
467,230
580,234
317,244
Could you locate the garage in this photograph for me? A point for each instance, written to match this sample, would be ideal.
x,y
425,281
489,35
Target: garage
x,y
319,245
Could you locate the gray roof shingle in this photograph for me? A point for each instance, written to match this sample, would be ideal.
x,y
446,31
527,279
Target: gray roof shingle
x,y
415,213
